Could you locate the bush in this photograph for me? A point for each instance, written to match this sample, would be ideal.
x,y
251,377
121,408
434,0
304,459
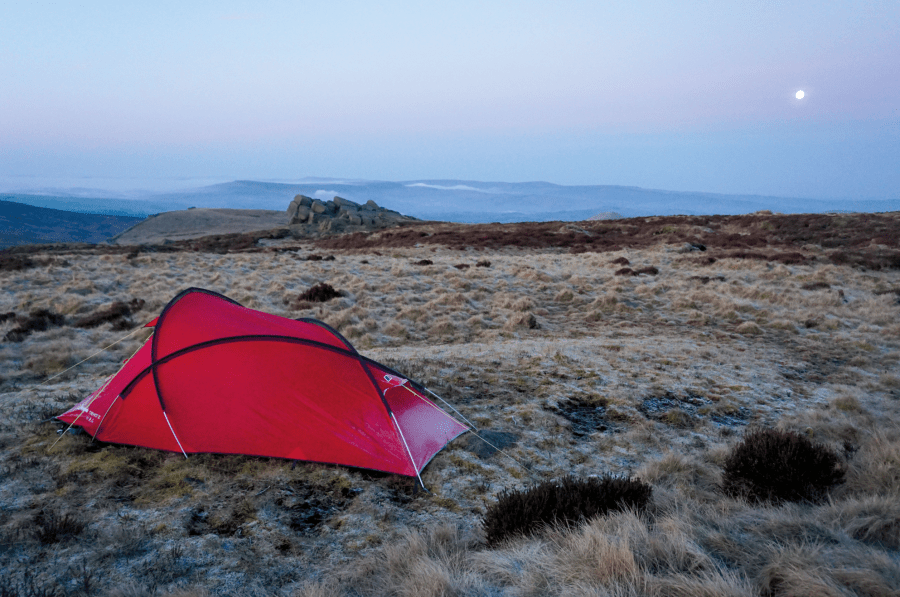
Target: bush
x,y
565,501
319,293
17,263
115,313
37,321
771,465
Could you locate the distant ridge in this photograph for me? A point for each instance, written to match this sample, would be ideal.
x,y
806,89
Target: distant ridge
x,y
25,224
455,200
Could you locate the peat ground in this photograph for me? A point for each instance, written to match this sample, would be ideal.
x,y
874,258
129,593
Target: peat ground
x,y
642,347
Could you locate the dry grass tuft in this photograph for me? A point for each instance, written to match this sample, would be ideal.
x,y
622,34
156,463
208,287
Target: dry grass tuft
x,y
875,467
51,527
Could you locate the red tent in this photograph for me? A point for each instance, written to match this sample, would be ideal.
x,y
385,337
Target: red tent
x,y
217,377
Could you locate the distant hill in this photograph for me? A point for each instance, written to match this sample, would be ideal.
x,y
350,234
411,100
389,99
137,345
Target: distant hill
x,y
475,201
453,200
22,224
109,205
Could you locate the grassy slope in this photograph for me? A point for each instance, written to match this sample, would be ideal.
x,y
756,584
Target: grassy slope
x,y
22,224
589,370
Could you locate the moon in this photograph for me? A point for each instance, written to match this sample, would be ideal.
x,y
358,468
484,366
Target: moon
x,y
799,94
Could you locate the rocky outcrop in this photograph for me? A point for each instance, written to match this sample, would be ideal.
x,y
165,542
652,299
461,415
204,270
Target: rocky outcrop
x,y
310,216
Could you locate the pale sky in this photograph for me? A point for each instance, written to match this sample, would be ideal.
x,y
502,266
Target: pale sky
x,y
696,96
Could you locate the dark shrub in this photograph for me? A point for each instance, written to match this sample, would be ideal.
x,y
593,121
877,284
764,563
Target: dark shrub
x,y
424,262
461,266
565,501
789,258
895,291
652,271
7,316
52,527
483,263
816,286
115,313
772,465
37,321
319,293
15,263
620,261
625,271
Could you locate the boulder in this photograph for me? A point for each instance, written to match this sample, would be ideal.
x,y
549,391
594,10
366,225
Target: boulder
x,y
300,214
314,217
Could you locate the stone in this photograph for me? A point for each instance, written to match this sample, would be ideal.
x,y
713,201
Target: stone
x,y
300,202
300,215
309,216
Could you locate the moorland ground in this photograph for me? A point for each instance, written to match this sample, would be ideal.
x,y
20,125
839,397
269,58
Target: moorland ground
x,y
642,347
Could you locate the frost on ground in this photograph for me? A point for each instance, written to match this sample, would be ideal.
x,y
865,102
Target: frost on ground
x,y
538,336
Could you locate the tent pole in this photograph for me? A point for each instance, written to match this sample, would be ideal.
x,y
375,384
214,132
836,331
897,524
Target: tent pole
x,y
175,436
100,424
405,445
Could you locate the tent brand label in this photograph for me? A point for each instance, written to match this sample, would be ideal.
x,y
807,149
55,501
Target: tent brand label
x,y
393,380
89,414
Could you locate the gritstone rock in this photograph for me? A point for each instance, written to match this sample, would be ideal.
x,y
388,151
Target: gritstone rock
x,y
341,202
299,208
312,217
